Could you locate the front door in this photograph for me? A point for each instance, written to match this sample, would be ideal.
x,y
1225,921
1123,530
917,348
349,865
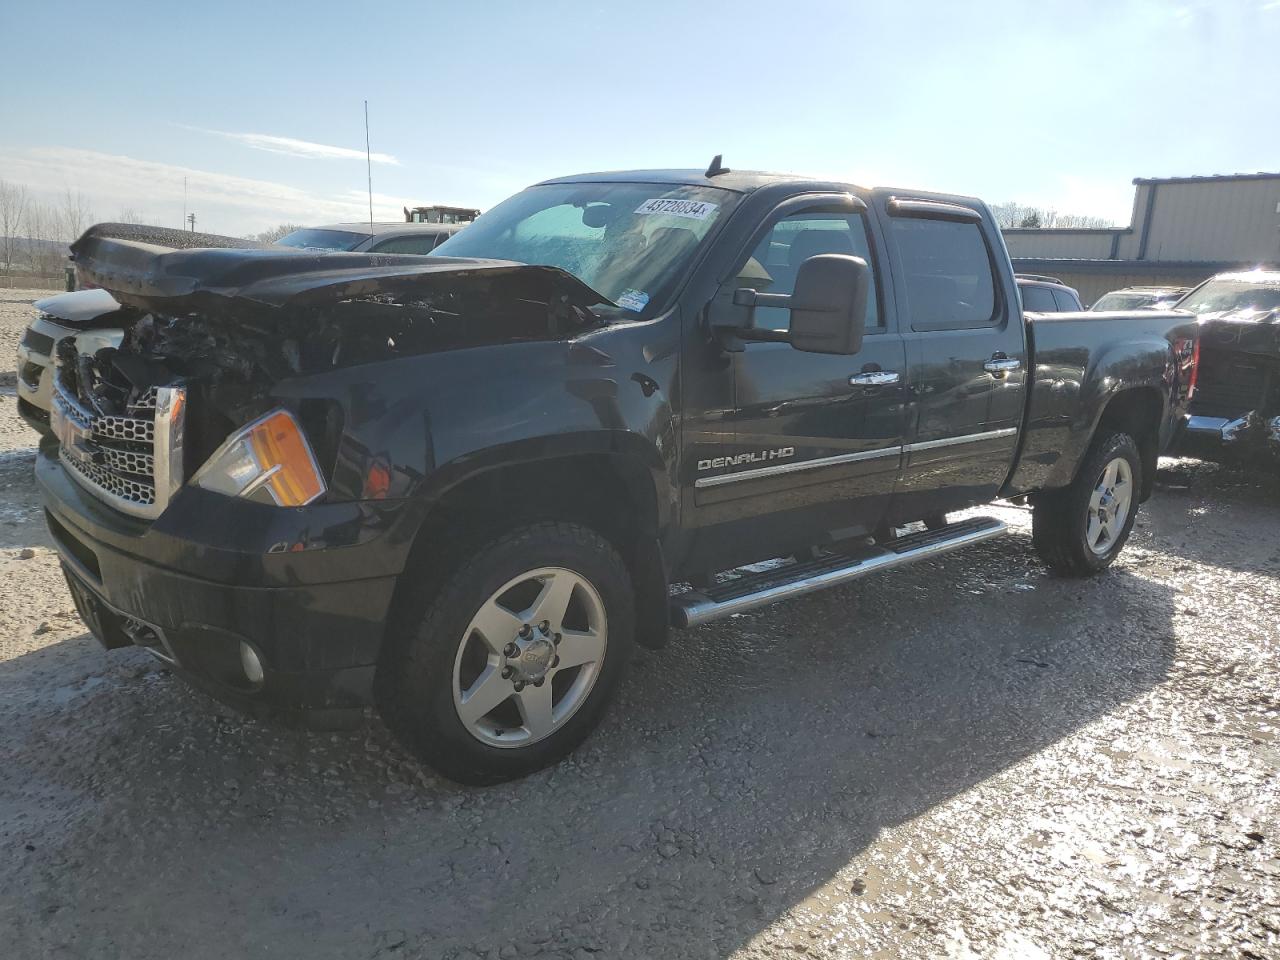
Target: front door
x,y
813,441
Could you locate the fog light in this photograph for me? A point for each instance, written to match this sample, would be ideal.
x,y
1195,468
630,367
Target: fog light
x,y
250,663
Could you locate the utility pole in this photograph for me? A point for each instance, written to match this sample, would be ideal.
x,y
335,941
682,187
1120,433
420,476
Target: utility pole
x,y
191,219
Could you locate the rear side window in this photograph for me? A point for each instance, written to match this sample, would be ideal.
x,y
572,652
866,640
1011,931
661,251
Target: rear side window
x,y
1067,302
947,273
1038,299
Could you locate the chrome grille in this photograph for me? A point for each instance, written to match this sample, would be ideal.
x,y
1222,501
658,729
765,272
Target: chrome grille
x,y
133,463
135,490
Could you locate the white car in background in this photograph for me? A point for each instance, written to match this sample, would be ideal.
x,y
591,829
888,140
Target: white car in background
x,y
85,315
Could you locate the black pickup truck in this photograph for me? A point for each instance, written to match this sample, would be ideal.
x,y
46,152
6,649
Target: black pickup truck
x,y
460,487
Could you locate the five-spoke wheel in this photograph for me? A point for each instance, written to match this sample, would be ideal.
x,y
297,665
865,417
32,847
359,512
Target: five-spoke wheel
x,y
530,657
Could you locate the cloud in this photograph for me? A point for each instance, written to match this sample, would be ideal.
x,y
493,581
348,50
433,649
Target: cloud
x,y
223,203
299,148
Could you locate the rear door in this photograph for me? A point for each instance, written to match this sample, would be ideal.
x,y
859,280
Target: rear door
x,y
966,357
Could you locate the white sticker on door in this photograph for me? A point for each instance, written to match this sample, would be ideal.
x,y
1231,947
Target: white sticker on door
x,y
689,209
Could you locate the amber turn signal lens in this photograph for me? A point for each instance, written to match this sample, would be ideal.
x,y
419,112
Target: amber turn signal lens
x,y
269,461
279,446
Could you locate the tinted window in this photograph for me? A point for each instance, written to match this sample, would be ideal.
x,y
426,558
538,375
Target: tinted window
x,y
1035,298
414,243
947,273
773,265
322,239
1067,301
1123,301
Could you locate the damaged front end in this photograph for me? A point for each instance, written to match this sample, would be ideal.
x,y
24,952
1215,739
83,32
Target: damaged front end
x,y
1236,406
210,333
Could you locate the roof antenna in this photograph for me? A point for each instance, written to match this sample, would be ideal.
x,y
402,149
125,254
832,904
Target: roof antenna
x,y
716,167
368,164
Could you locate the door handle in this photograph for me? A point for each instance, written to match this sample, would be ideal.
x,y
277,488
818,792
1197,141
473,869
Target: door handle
x,y
999,365
874,378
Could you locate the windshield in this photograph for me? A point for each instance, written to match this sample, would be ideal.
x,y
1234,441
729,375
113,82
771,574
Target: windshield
x,y
630,242
322,239
1235,295
1124,301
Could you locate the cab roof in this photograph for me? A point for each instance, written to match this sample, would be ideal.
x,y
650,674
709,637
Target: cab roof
x,y
739,181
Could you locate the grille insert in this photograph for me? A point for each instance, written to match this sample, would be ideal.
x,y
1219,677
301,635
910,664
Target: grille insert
x,y
134,463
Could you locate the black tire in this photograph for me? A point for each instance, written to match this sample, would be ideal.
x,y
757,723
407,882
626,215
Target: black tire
x,y
416,676
1059,519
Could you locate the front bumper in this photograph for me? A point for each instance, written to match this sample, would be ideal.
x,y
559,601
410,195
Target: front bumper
x,y
308,589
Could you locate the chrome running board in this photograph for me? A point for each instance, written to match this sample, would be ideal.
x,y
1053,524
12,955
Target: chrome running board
x,y
793,580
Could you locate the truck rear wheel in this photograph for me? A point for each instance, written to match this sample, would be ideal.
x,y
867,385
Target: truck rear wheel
x,y
516,657
1080,530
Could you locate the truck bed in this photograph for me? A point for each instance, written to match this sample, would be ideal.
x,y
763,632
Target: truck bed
x,y
1067,396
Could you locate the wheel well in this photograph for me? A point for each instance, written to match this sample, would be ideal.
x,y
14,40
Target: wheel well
x,y
613,495
1137,412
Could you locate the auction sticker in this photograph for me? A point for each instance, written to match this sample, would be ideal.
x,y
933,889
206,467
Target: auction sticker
x,y
689,209
633,300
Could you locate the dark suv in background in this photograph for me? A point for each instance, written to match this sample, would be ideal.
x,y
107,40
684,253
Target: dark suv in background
x,y
1047,294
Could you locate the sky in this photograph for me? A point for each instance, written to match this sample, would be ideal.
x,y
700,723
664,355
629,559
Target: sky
x,y
259,106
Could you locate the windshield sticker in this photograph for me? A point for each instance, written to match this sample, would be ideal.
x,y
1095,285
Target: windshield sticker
x,y
689,209
633,300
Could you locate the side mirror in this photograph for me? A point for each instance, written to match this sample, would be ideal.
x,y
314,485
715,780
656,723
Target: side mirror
x,y
829,304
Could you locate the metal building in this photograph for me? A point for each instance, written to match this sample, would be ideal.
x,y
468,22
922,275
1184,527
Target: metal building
x,y
1182,230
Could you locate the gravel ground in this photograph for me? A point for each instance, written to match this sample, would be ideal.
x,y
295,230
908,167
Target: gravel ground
x,y
963,759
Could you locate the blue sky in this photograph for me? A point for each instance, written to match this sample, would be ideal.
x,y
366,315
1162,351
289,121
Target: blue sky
x,y
259,104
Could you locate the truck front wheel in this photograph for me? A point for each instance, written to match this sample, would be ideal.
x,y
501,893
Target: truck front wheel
x,y
515,658
1080,530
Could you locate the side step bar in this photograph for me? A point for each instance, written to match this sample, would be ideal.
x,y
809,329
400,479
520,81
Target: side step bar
x,y
757,589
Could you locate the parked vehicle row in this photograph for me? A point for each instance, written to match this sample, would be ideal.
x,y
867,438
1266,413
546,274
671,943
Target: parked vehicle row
x,y
461,487
1137,298
1047,294
1236,407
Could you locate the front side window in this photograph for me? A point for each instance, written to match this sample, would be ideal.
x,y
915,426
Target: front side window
x,y
630,242
773,265
947,274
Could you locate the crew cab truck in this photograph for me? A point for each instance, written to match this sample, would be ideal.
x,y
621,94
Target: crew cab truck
x,y
461,487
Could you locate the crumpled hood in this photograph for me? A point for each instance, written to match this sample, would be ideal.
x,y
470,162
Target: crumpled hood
x,y
141,267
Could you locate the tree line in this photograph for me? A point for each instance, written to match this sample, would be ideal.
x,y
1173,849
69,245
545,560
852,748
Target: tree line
x,y
34,234
1013,214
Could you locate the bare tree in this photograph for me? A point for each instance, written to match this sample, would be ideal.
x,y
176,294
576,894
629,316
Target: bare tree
x,y
130,215
13,209
46,250
275,233
74,215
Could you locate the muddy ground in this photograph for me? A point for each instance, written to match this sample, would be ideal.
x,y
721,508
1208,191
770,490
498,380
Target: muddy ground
x,y
964,759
